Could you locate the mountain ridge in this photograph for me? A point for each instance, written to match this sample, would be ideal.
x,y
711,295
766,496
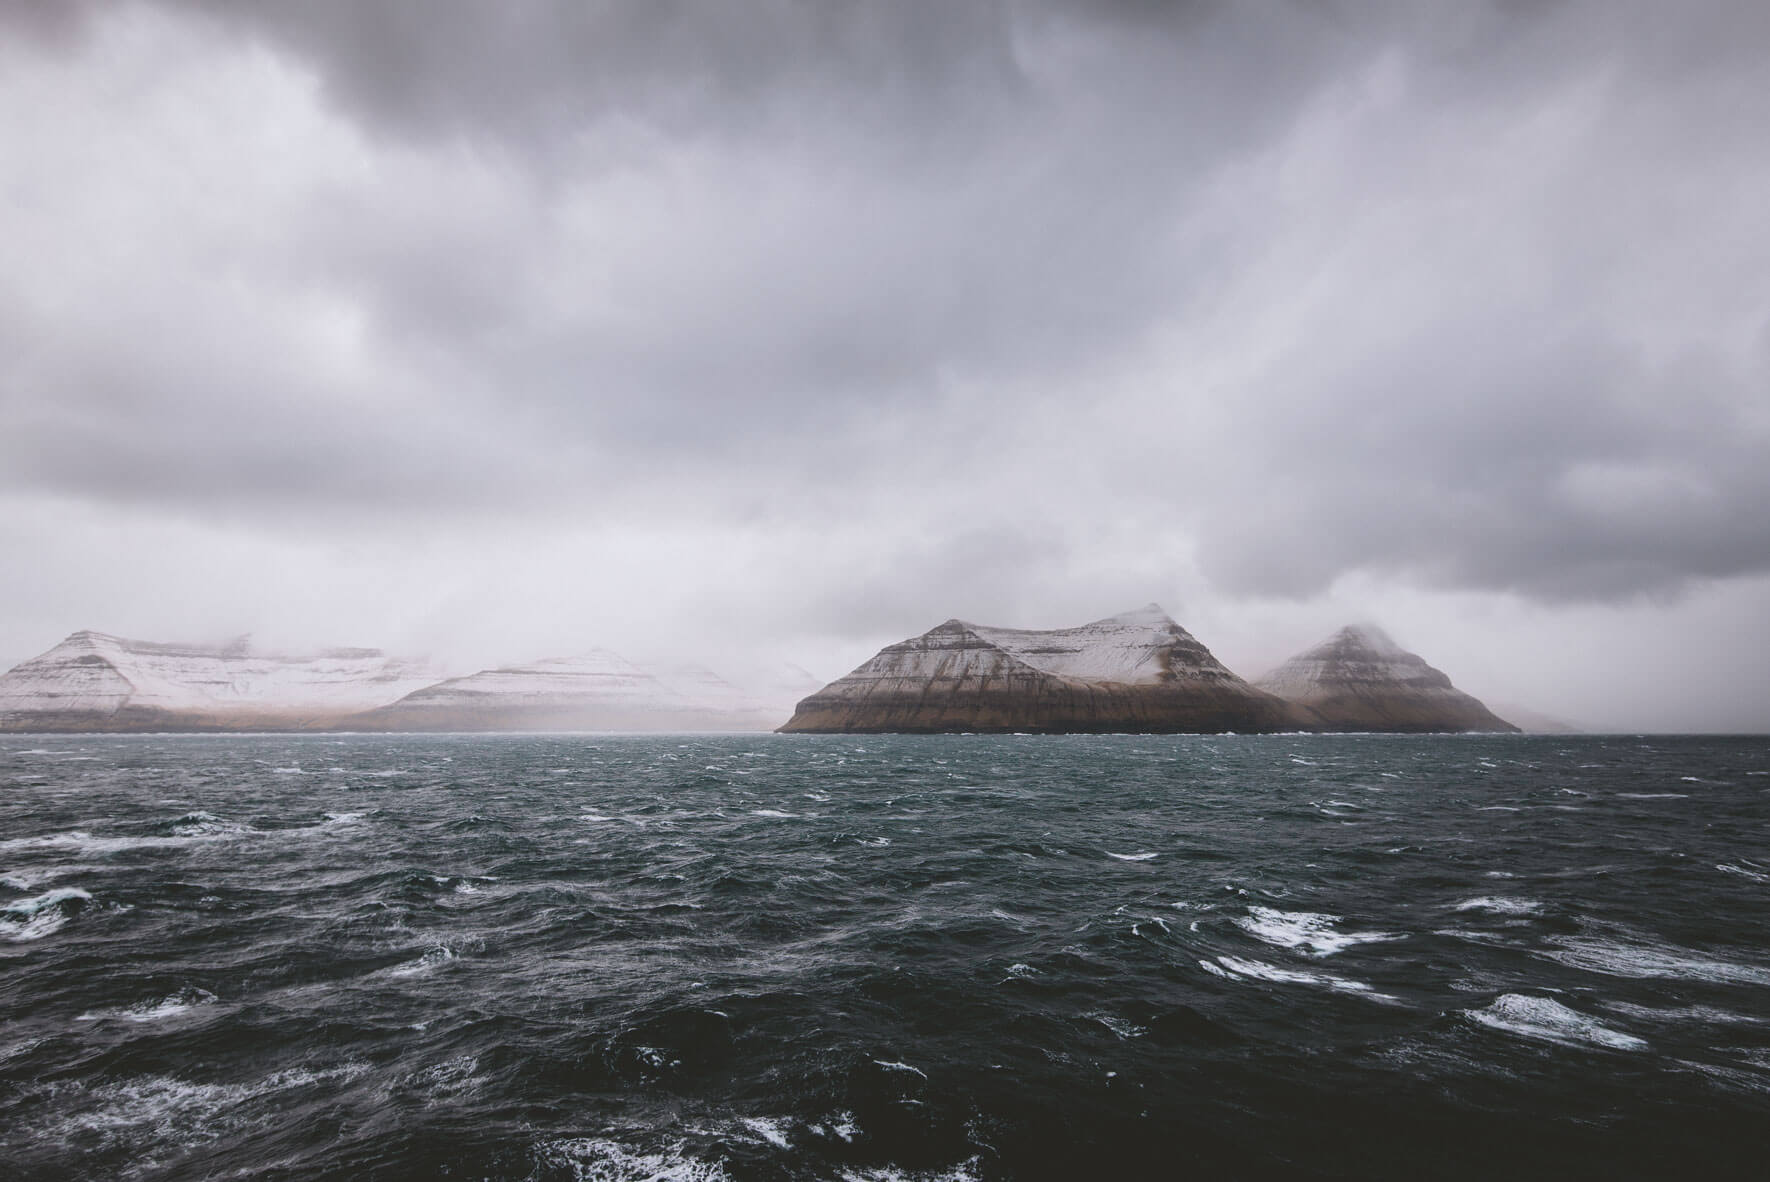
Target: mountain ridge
x,y
1135,671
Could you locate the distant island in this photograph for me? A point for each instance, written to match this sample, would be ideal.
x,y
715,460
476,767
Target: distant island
x,y
96,682
1136,672
1360,680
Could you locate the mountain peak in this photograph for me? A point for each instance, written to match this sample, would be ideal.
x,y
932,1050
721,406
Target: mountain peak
x,y
1150,615
1366,636
1359,679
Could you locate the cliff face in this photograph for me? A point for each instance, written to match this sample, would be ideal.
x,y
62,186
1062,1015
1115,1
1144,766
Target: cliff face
x,y
599,691
95,682
1360,680
1138,672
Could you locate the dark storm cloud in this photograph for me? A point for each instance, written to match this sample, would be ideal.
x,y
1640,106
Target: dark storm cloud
x,y
1451,293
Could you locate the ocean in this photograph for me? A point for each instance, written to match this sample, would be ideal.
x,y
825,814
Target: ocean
x,y
885,958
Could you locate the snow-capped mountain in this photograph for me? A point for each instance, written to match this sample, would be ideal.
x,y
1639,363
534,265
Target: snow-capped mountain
x,y
94,681
597,691
1359,679
1139,671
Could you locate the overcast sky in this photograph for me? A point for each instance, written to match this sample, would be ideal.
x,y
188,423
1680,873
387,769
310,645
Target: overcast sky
x,y
782,330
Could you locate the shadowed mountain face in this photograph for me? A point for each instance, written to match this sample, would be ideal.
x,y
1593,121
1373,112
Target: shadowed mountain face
x,y
1137,672
1360,680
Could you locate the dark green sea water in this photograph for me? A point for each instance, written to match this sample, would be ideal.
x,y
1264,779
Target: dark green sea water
x,y
773,957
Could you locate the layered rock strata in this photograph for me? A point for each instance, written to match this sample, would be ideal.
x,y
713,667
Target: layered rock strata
x,y
1359,679
1136,672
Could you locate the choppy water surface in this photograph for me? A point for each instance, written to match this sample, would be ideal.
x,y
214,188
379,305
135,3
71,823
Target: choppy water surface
x,y
883,957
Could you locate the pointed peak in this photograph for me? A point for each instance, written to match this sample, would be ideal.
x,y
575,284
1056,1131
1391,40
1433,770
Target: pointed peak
x,y
1366,636
1150,615
89,636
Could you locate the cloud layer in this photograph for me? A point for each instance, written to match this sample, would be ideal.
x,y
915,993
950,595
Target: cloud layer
x,y
901,309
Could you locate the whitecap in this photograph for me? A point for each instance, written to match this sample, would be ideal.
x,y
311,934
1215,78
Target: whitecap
x,y
32,919
1644,961
81,841
1236,968
965,1171
152,1011
893,1065
770,1129
201,824
1730,868
179,1111
36,876
1550,1021
771,813
451,1077
1706,1015
1123,1029
1310,931
841,1125
1653,795
1501,905
441,954
598,1159
1131,857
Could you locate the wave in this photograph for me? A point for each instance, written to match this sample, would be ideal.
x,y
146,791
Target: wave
x,y
1236,968
202,824
1311,932
1501,905
1618,958
31,919
183,1001
599,1159
1550,1021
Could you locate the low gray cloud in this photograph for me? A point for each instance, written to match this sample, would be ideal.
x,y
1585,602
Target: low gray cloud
x,y
1247,300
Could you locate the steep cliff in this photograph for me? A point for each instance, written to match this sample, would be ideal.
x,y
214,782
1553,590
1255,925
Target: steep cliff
x,y
1138,672
1360,680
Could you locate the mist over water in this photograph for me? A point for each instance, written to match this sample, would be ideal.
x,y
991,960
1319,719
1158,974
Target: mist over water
x,y
956,957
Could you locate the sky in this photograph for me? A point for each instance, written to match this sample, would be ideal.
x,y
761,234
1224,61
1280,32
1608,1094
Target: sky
x,y
780,331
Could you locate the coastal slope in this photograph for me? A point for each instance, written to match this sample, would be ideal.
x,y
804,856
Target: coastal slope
x,y
93,681
1135,672
1359,679
596,691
